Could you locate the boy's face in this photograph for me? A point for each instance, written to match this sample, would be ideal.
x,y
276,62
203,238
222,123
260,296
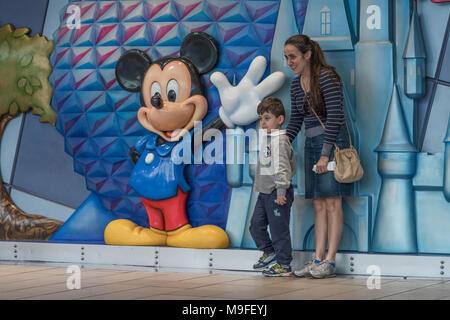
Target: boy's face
x,y
269,121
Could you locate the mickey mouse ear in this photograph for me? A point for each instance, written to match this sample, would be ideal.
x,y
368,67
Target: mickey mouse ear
x,y
201,49
131,69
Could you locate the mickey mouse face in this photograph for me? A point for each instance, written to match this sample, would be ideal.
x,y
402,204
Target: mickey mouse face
x,y
170,88
169,108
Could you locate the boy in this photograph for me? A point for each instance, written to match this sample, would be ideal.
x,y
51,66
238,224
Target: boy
x,y
274,171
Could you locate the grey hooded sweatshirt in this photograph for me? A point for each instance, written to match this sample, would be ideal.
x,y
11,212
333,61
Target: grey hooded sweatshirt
x,y
276,163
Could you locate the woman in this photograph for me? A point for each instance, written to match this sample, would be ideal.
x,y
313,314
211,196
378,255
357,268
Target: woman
x,y
317,93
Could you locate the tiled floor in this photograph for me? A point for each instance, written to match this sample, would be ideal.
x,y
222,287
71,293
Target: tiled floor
x,y
44,282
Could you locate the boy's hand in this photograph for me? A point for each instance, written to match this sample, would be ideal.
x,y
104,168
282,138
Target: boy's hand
x,y
281,200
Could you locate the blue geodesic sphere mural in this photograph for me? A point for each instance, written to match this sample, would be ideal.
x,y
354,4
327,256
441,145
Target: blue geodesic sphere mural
x,y
98,118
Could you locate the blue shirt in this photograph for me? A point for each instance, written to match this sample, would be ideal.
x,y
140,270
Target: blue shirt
x,y
156,176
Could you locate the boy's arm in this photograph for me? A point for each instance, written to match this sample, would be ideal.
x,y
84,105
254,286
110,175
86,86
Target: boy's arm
x,y
283,173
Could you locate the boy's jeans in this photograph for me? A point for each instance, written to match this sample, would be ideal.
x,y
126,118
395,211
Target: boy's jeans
x,y
268,213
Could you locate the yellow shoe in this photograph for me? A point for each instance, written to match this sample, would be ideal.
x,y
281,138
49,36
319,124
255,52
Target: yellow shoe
x,y
124,232
203,237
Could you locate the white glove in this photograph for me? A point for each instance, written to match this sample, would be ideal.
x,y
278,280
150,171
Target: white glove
x,y
239,102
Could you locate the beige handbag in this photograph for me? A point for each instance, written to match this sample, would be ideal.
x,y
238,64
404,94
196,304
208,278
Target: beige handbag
x,y
348,166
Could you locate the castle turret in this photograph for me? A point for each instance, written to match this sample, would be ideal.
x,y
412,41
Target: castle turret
x,y
447,163
395,227
414,56
374,75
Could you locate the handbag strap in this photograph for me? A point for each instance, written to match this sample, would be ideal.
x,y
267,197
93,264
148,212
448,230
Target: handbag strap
x,y
348,131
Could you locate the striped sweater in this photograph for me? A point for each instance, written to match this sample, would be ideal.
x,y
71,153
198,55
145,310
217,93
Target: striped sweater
x,y
332,95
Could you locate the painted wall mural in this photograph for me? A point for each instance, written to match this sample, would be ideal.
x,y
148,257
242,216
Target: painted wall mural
x,y
396,90
25,68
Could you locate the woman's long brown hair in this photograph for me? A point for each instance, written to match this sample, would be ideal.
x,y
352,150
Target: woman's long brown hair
x,y
303,43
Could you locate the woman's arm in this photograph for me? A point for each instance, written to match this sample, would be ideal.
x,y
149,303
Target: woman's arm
x,y
332,95
296,120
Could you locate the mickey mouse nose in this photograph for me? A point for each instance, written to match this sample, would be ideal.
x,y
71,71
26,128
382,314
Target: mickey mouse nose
x,y
156,101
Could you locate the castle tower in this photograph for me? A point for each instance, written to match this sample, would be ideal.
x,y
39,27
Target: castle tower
x,y
395,226
374,75
414,57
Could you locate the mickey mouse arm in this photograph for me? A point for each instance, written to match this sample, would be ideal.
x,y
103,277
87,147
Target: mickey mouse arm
x,y
239,103
215,123
134,155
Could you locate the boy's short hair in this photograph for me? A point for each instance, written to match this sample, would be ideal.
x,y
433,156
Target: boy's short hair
x,y
272,105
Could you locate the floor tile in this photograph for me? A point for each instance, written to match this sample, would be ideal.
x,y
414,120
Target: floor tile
x,y
132,294
315,292
81,293
232,291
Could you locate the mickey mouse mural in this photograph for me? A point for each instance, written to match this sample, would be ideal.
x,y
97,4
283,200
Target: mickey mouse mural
x,y
172,101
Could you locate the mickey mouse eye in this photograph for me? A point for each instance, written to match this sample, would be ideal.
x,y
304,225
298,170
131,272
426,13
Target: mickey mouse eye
x,y
172,90
155,88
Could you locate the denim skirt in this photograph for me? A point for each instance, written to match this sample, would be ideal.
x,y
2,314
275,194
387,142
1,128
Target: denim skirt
x,y
318,186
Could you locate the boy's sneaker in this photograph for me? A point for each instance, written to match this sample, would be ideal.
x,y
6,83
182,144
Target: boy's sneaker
x,y
264,260
323,270
306,270
278,270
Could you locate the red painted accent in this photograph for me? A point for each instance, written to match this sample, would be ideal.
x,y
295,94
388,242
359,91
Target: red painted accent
x,y
99,123
129,10
131,31
78,84
60,55
163,31
232,32
104,31
110,83
116,167
62,33
80,32
69,124
258,13
120,102
100,184
104,57
219,12
155,10
129,123
168,214
104,8
75,151
189,8
106,147
61,103
86,9
58,81
202,28
439,1
89,105
79,57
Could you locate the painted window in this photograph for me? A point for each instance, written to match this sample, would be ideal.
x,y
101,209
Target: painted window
x,y
325,21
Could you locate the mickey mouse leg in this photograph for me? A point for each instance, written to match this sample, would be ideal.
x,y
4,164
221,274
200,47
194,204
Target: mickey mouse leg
x,y
181,234
126,232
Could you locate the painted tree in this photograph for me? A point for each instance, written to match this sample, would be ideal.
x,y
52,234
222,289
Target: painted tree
x,y
24,72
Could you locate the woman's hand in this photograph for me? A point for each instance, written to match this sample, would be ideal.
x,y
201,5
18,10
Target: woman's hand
x,y
321,165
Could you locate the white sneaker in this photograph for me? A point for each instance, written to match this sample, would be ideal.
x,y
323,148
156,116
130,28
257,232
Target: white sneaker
x,y
322,270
